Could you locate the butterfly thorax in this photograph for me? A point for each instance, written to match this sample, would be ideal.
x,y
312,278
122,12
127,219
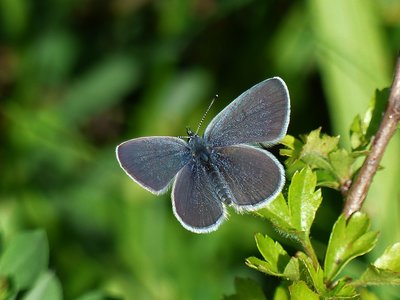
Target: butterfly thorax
x,y
199,148
203,155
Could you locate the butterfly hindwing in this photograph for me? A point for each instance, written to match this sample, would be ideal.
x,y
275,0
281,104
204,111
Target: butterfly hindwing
x,y
195,202
253,176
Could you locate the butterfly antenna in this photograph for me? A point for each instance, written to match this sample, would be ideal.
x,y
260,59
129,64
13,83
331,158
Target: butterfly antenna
x,y
205,114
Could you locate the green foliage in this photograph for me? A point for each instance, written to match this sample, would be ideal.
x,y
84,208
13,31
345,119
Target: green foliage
x,y
293,218
349,239
334,166
25,258
246,289
79,77
23,269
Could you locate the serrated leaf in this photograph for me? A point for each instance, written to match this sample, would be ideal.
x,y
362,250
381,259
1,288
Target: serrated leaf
x,y
47,287
277,212
342,165
303,200
25,257
347,241
313,276
272,252
319,145
300,291
277,262
246,288
385,270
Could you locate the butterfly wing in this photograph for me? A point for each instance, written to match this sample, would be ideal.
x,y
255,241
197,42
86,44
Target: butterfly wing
x,y
253,176
195,203
153,161
261,114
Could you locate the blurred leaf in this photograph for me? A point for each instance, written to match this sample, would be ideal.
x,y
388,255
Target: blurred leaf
x,y
385,270
25,257
97,295
347,241
300,291
281,293
47,287
99,89
246,289
367,295
13,16
6,289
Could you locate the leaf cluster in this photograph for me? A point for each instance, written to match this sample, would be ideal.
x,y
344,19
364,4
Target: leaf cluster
x,y
316,160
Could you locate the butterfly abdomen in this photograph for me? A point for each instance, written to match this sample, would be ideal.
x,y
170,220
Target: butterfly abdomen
x,y
221,188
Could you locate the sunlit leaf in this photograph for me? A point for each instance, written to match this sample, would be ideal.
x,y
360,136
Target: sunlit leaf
x,y
300,291
385,270
303,200
348,240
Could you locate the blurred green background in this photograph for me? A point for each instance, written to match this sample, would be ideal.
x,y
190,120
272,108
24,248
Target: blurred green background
x,y
77,77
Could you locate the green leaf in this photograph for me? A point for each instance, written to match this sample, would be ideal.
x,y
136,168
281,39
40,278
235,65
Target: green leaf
x,y
97,295
273,253
300,291
277,212
364,128
342,290
277,262
347,241
313,276
25,257
319,145
367,295
294,219
342,164
303,200
47,287
281,293
385,270
246,289
390,260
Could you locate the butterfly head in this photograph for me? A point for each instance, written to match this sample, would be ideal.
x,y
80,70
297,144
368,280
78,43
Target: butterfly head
x,y
198,146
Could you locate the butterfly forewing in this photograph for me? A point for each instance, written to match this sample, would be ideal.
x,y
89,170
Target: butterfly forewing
x,y
261,114
195,202
153,161
253,176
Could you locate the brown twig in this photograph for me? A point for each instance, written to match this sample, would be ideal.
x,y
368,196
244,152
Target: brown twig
x,y
359,188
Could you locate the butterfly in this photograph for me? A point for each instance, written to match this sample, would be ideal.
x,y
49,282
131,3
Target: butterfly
x,y
224,167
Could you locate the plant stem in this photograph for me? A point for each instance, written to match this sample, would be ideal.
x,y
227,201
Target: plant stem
x,y
309,250
359,188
